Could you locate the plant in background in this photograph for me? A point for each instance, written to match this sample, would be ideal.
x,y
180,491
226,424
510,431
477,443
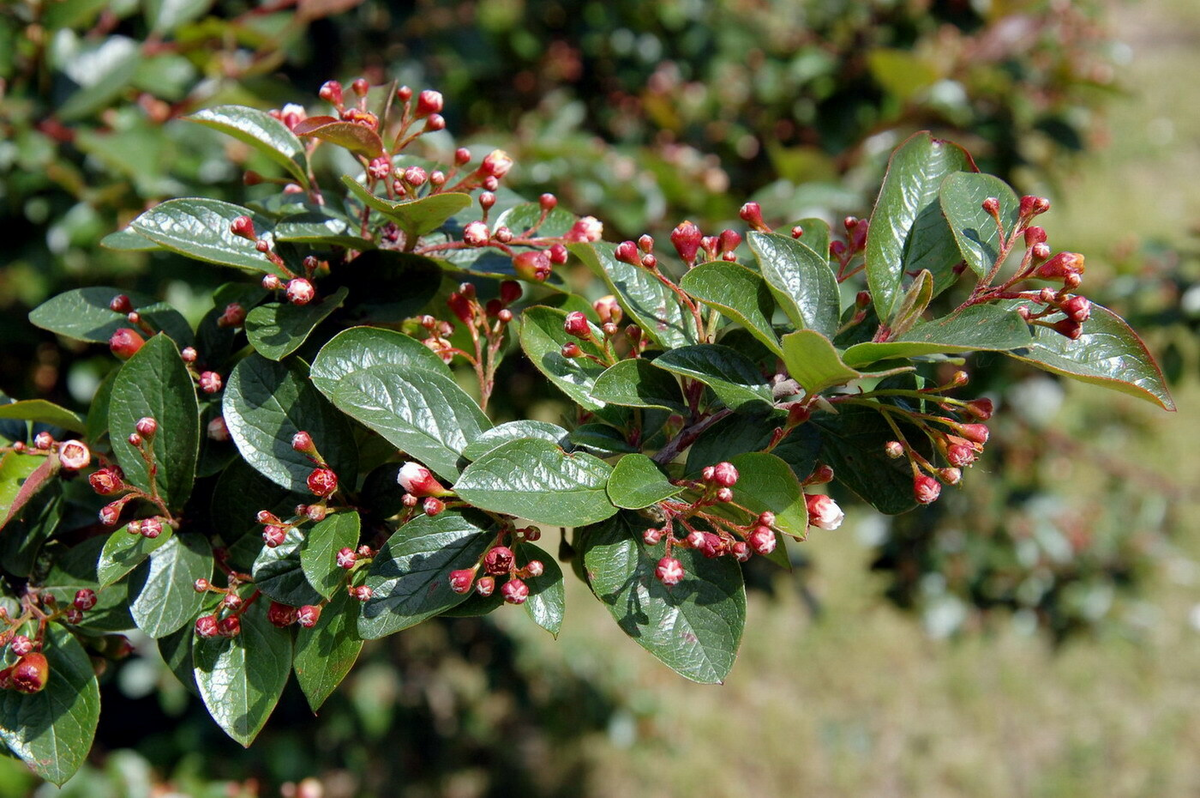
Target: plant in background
x,y
313,466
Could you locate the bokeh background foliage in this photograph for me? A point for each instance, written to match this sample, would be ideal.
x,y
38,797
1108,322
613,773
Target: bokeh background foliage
x,y
1035,635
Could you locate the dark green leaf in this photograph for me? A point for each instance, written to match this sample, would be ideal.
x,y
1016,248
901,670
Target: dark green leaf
x,y
962,195
321,229
800,279
52,730
978,328
176,651
241,678
635,382
515,431
535,479
155,383
74,570
84,314
387,287
547,595
853,444
739,433
732,376
43,412
812,361
199,228
26,532
128,241
542,338
636,482
1108,353
324,540
266,403
648,302
415,217
278,329
326,652
261,131
124,551
279,572
738,293
165,599
907,230
410,576
240,493
97,414
693,627
601,438
356,138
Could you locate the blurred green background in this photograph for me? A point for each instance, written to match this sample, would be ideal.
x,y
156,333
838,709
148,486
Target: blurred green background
x,y
1042,636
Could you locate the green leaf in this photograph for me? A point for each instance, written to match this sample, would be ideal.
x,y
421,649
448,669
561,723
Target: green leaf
x,y
128,241
739,294
43,412
637,482
97,414
277,329
241,678
732,376
979,328
354,137
913,304
28,529
320,228
84,314
800,279
388,287
415,217
410,576
102,71
694,627
601,438
165,599
961,197
318,557
362,347
326,652
1109,354
199,229
422,413
740,433
176,651
547,595
816,236
635,382
52,730
535,479
523,217
124,551
907,230
23,476
542,337
167,15
515,431
766,482
648,302
279,572
261,131
812,361
75,570
265,404
240,493
155,383
853,444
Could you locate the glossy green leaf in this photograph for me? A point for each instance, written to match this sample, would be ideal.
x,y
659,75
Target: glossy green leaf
x,y
261,131
732,376
75,570
165,599
241,678
853,445
28,527
547,595
535,479
318,556
738,293
176,651
542,337
23,476
321,229
42,412
326,652
654,307
124,551
812,361
277,329
416,217
636,382
354,137
913,304
766,482
741,433
241,491
694,627
52,730
199,229
907,230
410,576
602,439
521,218
84,314
637,482
362,347
279,572
816,236
961,197
1109,354
801,280
515,431
155,383
976,329
265,404
128,241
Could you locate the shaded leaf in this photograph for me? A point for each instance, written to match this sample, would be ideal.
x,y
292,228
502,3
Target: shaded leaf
x,y
277,329
321,228
326,652
853,444
961,197
124,551
74,570
84,314
279,572
636,382
732,376
547,595
42,412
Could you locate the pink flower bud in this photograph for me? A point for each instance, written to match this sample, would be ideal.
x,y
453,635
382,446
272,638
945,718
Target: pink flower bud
x,y
652,536
188,354
21,645
951,476
823,512
346,558
485,585
308,615
230,627
121,304
107,481
576,324
302,442
135,440
960,455
510,291
762,540
234,315
1034,235
894,449
498,561
300,291
125,343
686,240
331,92
147,427
217,429
206,626
535,568
74,455
432,506
210,382
608,310
322,482
151,528
1060,266
380,167
1034,206
429,102
926,489
243,227
419,481
558,254
1078,309
496,164
708,473
532,265
271,282
587,229
476,234
695,540
976,433
724,495
547,202
751,214
991,206
461,580
515,591
627,252
415,176
201,585
462,156
725,475
669,571
110,513
728,241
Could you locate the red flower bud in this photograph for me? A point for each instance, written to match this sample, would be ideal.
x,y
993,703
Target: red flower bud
x,y
274,535
21,645
300,291
432,506
515,591
496,164
243,227
728,241
686,240
532,265
762,540
109,513
926,489
510,291
125,343
107,481
725,475
302,442
121,304
31,673
308,615
976,433
586,229
362,592
85,599
669,571
991,206
823,512
419,481
980,408
415,176
960,455
535,568
331,92
627,252
751,214
210,382
1033,206
462,156
576,324
1061,266
206,626
951,476
461,580
558,254
461,307
322,482
151,528
724,495
1078,309
476,234
485,585
1034,235
498,561
346,558
230,627
281,615
547,202
217,430
147,427
201,585
1069,328
652,536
